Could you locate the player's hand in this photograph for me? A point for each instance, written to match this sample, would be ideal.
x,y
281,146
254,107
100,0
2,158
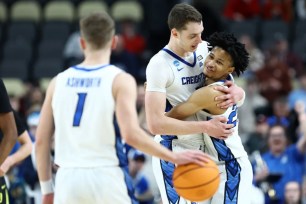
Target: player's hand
x,y
232,94
2,173
262,174
6,165
48,198
191,156
218,128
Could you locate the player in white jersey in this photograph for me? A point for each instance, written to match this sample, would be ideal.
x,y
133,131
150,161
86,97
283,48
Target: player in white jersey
x,y
173,74
79,109
227,56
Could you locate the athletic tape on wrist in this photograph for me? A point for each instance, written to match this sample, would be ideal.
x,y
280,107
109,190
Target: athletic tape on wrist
x,y
46,187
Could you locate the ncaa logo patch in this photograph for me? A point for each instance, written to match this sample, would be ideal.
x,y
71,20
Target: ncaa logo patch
x,y
201,64
176,63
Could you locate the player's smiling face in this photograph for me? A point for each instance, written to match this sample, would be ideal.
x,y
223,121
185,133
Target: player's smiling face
x,y
218,64
190,37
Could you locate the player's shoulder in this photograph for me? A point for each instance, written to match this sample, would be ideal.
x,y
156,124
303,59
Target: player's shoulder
x,y
159,57
203,47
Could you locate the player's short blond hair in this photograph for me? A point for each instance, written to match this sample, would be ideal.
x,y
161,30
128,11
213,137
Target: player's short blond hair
x,y
97,29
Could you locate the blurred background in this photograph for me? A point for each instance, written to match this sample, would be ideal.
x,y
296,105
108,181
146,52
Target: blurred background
x,y
40,38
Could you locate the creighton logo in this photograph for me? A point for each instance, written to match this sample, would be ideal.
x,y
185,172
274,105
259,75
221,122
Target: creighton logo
x,y
176,63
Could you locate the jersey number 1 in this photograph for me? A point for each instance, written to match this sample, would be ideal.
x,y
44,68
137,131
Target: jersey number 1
x,y
79,109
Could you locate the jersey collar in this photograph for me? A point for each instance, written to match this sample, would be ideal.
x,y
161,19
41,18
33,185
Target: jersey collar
x,y
180,59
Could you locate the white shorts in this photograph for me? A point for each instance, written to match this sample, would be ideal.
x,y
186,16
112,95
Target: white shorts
x,y
163,170
235,183
93,185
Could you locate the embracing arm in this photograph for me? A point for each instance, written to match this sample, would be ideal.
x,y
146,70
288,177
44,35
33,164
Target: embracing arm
x,y
233,94
159,123
203,98
124,92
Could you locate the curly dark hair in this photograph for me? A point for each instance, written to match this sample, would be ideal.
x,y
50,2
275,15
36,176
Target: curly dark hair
x,y
235,49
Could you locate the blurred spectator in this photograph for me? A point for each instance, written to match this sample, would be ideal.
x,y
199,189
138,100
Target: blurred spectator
x,y
72,52
155,13
293,193
211,19
283,163
282,115
11,166
257,58
124,59
33,95
274,80
300,8
140,105
257,140
253,102
292,60
277,10
298,94
29,165
133,41
141,184
239,10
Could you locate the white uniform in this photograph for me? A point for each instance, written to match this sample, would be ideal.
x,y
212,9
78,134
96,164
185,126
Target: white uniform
x,y
178,78
232,159
88,149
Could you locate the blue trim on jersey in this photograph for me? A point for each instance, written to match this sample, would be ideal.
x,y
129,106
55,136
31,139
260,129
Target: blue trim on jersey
x,y
167,170
228,78
233,170
89,69
123,162
180,59
168,106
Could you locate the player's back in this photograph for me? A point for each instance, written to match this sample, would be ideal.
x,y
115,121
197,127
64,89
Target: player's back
x,y
83,109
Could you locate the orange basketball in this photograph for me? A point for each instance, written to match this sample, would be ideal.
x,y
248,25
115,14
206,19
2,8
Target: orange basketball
x,y
196,183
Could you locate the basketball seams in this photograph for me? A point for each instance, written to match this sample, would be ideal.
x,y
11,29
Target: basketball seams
x,y
203,184
194,168
196,183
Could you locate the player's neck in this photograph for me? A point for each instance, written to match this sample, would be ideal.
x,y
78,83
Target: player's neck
x,y
96,57
177,50
211,80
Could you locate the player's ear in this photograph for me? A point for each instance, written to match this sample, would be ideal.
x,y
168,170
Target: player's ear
x,y
231,70
82,43
114,42
174,32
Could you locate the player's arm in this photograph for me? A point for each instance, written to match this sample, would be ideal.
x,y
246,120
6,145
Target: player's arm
x,y
155,105
124,92
201,99
24,151
43,142
7,125
8,128
233,94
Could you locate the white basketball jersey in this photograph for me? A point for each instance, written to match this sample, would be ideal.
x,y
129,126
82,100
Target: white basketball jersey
x,y
83,109
177,77
231,148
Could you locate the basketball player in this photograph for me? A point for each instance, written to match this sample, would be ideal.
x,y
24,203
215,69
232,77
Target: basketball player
x,y
9,131
79,110
173,74
227,56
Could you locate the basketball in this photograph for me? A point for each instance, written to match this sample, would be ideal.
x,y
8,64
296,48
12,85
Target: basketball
x,y
196,183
